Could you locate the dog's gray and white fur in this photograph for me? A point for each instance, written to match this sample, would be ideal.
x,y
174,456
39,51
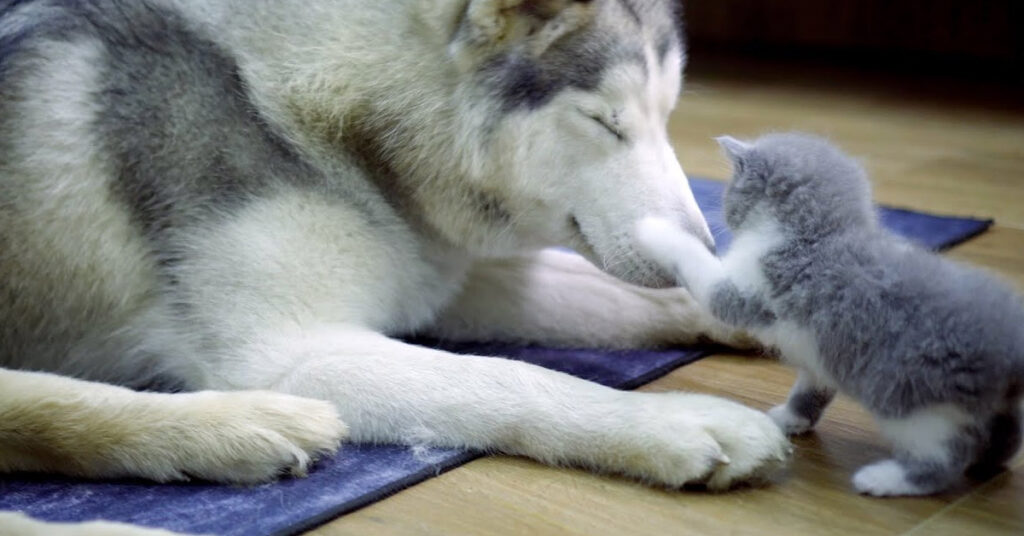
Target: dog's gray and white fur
x,y
934,349
229,195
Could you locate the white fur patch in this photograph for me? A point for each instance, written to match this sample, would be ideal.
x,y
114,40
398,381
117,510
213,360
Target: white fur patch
x,y
925,433
797,345
884,479
743,260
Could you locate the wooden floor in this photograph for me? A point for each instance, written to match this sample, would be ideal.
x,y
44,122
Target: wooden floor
x,y
933,154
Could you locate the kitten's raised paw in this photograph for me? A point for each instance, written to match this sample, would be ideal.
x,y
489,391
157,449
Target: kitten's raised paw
x,y
789,422
886,478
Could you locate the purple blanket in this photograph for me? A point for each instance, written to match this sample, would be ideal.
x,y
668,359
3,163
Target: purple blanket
x,y
362,474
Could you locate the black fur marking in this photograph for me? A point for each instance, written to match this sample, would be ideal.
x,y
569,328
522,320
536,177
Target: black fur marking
x,y
931,474
7,5
524,82
665,44
174,114
1003,440
632,11
12,44
177,115
493,209
579,59
810,404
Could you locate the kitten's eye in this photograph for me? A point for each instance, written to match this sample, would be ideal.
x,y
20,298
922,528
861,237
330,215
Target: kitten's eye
x,y
608,126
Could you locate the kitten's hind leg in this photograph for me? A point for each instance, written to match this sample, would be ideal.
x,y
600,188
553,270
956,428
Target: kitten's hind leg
x,y
807,401
933,447
1002,442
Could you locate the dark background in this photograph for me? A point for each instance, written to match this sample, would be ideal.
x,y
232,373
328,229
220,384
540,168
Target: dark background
x,y
981,41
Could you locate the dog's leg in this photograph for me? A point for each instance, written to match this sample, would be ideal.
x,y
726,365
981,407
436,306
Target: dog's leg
x,y
559,298
14,524
56,424
388,391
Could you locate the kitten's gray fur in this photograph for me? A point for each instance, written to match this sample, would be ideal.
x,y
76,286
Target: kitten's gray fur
x,y
912,336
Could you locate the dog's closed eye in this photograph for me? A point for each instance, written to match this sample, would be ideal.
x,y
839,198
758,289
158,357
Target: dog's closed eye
x,y
610,125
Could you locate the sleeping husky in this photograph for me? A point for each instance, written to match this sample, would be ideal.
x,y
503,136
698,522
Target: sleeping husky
x,y
244,202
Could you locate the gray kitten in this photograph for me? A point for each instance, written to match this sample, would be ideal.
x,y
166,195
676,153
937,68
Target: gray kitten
x,y
934,349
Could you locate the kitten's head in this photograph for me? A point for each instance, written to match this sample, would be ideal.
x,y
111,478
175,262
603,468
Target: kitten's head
x,y
802,182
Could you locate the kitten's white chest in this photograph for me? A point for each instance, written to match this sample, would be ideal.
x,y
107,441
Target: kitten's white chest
x,y
797,344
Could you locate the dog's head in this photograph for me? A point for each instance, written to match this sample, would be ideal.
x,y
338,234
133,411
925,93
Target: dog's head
x,y
570,100
504,125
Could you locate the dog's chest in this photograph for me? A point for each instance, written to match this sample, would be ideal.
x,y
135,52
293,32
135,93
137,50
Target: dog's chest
x,y
302,259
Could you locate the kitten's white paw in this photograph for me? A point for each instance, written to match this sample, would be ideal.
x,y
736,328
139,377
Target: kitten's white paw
x,y
243,437
665,243
789,422
703,439
884,479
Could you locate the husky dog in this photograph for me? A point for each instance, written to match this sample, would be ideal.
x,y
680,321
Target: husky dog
x,y
933,349
221,196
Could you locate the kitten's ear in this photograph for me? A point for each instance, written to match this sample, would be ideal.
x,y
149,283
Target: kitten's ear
x,y
489,26
735,149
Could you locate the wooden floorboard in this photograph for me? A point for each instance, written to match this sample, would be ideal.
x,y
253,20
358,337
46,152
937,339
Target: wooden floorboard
x,y
952,157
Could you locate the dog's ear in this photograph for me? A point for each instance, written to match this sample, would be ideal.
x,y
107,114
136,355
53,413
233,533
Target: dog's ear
x,y
489,26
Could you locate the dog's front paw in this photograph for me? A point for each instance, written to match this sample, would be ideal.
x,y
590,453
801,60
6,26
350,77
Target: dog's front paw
x,y
243,437
695,439
789,422
756,447
254,436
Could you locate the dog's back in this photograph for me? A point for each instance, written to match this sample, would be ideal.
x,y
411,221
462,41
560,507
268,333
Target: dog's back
x,y
125,129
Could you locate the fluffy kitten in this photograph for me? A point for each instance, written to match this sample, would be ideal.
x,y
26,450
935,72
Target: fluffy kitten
x,y
934,349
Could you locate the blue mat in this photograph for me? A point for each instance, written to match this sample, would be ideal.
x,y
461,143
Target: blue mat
x,y
362,474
